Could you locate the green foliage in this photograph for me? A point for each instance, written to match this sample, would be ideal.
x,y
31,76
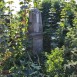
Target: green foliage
x,y
71,48
62,29
60,33
15,59
37,3
13,41
54,62
46,5
2,3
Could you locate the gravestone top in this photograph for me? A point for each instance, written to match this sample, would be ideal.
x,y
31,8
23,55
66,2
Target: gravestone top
x,y
35,21
35,10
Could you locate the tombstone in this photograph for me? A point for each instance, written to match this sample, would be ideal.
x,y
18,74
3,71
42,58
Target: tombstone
x,y
35,30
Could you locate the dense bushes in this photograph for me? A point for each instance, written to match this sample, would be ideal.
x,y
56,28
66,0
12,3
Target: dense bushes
x,y
54,62
60,38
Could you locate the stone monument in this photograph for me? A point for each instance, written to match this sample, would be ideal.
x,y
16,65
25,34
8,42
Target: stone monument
x,y
35,30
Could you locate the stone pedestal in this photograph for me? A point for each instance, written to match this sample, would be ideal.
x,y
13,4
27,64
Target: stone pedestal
x,y
35,30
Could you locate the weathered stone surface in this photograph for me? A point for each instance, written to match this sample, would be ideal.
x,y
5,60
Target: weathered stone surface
x,y
35,30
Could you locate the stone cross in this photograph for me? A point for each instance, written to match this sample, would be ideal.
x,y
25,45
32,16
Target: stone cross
x,y
35,30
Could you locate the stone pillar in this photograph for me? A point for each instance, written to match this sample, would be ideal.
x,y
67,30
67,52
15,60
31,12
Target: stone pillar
x,y
35,30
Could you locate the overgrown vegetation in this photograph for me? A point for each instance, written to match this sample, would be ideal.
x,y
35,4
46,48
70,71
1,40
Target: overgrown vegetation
x,y
59,58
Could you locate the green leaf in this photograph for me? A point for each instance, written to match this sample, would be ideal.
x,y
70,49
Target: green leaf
x,y
21,3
